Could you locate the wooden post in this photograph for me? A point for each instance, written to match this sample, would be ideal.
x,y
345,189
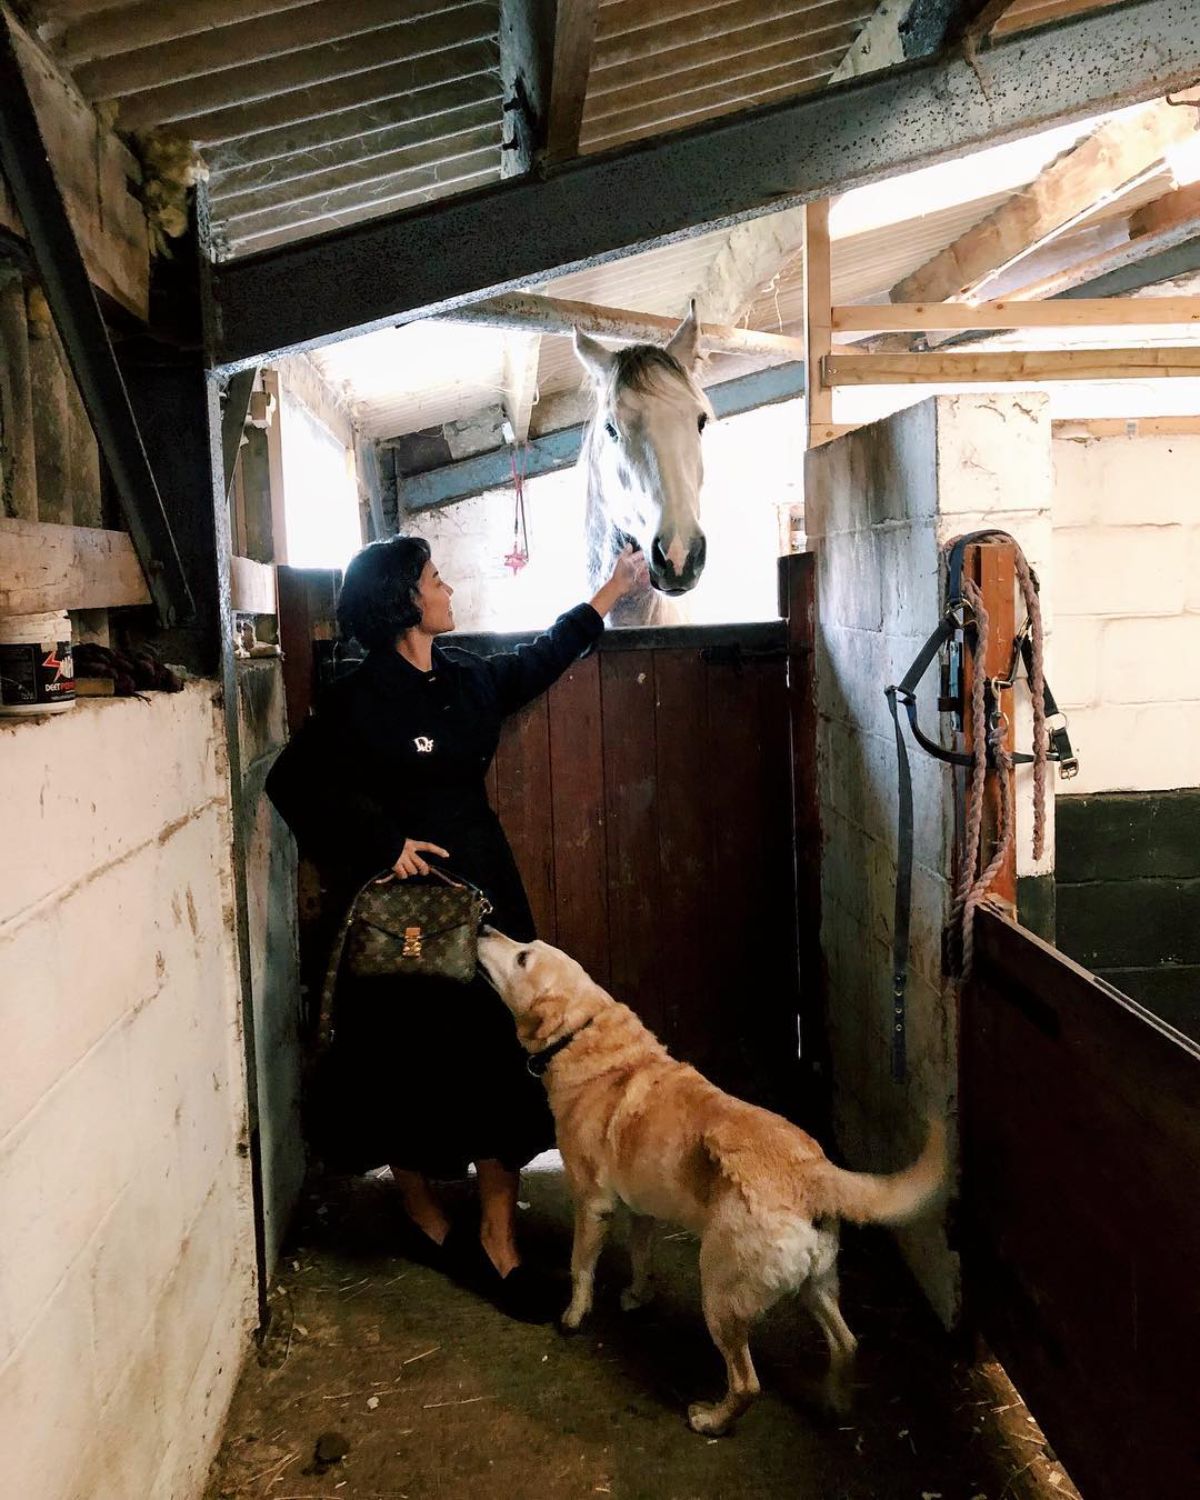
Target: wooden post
x,y
818,321
279,554
18,465
83,457
992,565
51,415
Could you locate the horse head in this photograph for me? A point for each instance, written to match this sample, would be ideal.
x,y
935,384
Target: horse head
x,y
643,449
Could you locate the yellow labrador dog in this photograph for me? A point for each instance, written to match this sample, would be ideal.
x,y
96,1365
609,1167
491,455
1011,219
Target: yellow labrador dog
x,y
636,1126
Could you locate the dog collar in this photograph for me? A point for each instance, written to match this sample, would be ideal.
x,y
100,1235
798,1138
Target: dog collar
x,y
538,1062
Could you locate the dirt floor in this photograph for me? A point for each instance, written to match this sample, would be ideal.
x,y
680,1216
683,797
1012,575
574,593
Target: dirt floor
x,y
432,1393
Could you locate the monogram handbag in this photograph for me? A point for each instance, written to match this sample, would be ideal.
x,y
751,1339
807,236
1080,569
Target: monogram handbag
x,y
410,927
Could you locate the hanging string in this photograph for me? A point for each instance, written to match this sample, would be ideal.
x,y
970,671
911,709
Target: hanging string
x,y
519,555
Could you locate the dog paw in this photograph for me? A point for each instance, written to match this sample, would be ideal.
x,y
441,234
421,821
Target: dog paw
x,y
631,1301
572,1319
707,1419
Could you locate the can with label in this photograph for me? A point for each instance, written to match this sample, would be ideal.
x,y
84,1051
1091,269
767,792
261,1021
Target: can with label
x,y
37,672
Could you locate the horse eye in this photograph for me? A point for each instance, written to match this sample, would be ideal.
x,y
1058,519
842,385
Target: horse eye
x,y
702,421
611,429
521,957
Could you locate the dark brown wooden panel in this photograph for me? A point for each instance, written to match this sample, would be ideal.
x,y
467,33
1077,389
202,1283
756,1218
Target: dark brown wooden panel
x,y
687,896
577,792
524,808
669,830
631,818
1081,1141
798,603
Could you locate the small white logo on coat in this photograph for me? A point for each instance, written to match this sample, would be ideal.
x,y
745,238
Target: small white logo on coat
x,y
424,744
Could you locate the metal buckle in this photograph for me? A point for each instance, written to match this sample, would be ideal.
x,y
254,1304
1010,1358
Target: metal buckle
x,y
1060,747
412,943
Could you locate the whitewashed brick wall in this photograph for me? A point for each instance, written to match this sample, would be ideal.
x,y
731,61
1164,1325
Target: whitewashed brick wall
x,y
126,1261
1127,561
880,505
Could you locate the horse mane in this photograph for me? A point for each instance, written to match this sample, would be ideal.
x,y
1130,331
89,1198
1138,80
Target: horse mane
x,y
642,367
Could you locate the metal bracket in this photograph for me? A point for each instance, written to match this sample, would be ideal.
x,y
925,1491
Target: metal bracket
x,y
27,168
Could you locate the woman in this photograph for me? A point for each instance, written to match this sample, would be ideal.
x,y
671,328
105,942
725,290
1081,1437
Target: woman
x,y
427,1075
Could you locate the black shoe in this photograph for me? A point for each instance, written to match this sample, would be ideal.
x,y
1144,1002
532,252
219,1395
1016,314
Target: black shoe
x,y
416,1245
529,1295
525,1294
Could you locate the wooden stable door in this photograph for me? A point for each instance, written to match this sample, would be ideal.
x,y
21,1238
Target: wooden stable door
x,y
648,801
1081,1174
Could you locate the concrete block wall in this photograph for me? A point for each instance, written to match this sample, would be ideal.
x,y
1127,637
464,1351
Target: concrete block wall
x,y
1127,557
881,503
127,1268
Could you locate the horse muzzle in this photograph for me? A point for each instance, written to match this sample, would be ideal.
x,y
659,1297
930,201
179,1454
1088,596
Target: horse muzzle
x,y
666,577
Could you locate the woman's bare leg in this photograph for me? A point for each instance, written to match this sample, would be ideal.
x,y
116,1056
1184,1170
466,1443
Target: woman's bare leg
x,y
498,1214
421,1204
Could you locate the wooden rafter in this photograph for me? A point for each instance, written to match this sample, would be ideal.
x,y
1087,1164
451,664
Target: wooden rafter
x,y
574,42
948,317
1114,156
818,300
526,311
1005,369
522,352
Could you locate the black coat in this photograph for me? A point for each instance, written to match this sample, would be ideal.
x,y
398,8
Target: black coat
x,y
423,1074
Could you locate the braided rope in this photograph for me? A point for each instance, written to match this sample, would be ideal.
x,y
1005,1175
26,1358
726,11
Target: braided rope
x,y
972,888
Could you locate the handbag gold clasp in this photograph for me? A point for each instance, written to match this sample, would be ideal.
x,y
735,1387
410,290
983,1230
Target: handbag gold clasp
x,y
412,943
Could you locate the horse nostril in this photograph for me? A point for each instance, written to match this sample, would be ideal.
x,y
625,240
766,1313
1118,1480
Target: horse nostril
x,y
698,554
658,557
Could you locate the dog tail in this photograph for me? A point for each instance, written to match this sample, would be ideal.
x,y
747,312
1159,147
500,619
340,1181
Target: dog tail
x,y
865,1198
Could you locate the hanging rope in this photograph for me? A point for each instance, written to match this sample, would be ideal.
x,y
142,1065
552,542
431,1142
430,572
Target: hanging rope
x,y
519,555
987,736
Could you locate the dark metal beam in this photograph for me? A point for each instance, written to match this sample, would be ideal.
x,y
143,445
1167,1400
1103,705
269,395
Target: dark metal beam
x,y
60,266
738,167
1167,265
559,450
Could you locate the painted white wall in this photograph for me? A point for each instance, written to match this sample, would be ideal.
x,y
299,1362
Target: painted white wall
x,y
882,503
127,1267
1127,642
753,468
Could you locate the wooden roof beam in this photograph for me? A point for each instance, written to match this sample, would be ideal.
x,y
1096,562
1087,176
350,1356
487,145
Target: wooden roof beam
x,y
574,41
522,353
1011,367
1103,165
948,317
528,311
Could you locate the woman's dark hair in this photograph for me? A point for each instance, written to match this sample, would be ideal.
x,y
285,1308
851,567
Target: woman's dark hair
x,y
378,602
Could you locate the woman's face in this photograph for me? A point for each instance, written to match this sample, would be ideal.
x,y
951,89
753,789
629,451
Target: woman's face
x,y
433,599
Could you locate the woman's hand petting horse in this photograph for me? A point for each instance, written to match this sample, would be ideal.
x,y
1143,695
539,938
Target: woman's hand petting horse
x,y
629,574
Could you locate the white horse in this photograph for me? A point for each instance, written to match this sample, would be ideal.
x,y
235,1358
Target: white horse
x,y
644,467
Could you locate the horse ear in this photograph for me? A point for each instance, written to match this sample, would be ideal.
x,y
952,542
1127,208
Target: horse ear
x,y
685,341
593,356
